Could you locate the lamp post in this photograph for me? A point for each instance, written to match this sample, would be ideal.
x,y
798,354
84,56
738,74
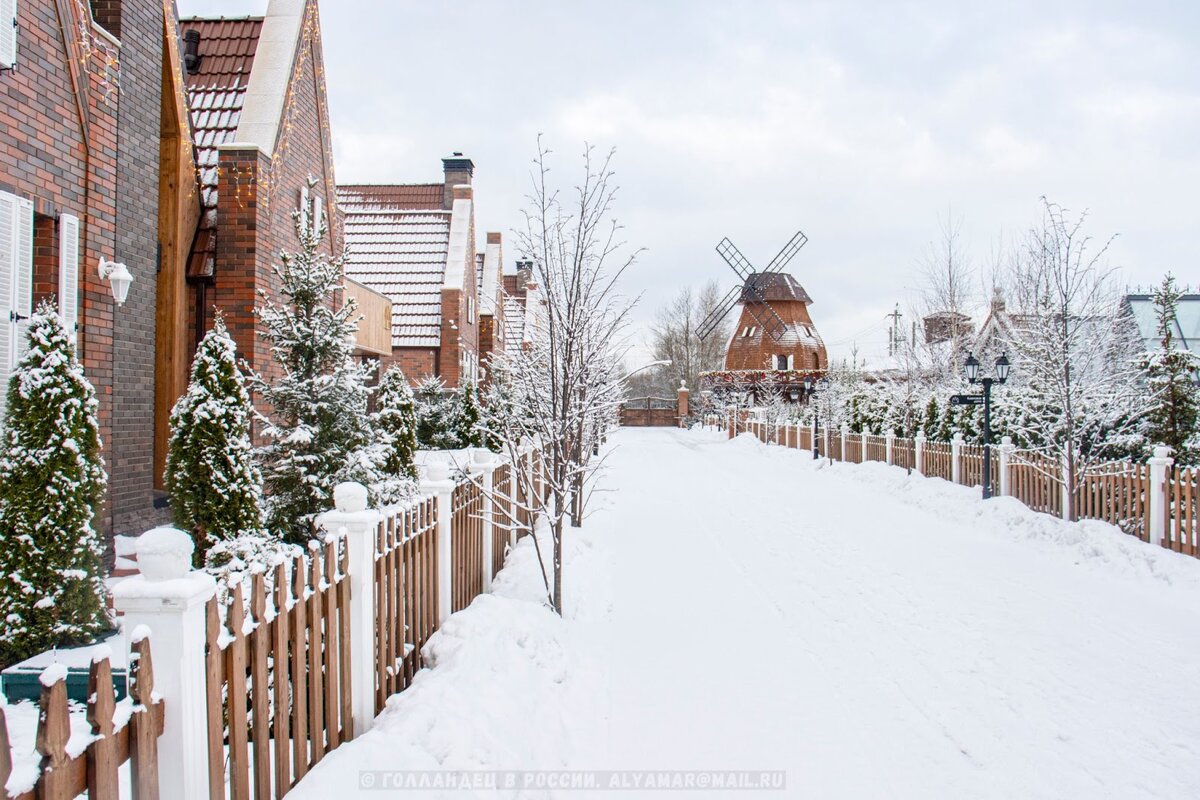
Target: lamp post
x,y
810,388
1003,367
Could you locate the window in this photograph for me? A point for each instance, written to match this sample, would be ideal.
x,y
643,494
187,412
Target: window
x,y
749,331
781,362
318,214
16,282
471,310
8,34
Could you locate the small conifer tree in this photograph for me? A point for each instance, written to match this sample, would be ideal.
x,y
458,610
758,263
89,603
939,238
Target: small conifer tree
x,y
319,430
51,481
1173,418
438,413
470,418
215,487
395,420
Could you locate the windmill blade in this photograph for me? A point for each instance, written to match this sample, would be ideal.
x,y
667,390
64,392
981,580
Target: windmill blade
x,y
738,262
787,253
710,322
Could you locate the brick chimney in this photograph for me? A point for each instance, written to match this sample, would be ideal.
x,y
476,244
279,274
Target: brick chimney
x,y
459,171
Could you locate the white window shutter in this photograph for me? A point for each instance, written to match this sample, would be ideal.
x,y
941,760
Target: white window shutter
x,y
68,273
8,219
8,34
305,209
318,213
23,274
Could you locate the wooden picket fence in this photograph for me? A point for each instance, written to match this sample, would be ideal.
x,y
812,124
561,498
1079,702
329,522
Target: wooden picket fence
x,y
501,515
406,591
1183,519
466,532
95,771
1119,492
278,675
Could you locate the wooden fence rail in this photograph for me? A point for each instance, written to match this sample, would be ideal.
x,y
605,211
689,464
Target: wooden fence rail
x,y
501,515
94,772
466,530
1182,498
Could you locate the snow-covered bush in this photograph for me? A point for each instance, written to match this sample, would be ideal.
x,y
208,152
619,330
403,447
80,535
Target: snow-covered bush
x,y
214,484
439,416
51,481
236,560
319,430
395,422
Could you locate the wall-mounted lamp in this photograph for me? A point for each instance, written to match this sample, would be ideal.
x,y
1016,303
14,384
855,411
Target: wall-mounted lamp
x,y
118,275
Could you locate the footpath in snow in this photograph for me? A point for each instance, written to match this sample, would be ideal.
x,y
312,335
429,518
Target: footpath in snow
x,y
733,606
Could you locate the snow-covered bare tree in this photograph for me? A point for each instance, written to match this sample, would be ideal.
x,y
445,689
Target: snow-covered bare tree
x,y
673,337
565,383
1075,359
943,301
318,432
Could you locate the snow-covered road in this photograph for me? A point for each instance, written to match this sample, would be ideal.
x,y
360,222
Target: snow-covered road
x,y
888,643
874,634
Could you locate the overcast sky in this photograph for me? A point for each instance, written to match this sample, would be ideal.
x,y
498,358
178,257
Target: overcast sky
x,y
859,123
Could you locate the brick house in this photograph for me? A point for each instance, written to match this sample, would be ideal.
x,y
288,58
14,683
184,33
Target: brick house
x,y
89,173
415,244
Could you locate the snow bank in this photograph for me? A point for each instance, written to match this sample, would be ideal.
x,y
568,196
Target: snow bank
x,y
507,684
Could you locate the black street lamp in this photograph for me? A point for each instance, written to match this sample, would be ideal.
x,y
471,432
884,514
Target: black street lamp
x,y
1003,367
810,389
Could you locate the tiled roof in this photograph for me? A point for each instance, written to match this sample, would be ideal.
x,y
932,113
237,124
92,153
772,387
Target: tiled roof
x,y
514,322
416,196
400,253
216,94
775,286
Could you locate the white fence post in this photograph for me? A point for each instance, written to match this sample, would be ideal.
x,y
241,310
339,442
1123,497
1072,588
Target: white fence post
x,y
1006,450
169,599
862,442
919,453
956,445
1158,493
889,442
438,483
361,525
483,465
845,436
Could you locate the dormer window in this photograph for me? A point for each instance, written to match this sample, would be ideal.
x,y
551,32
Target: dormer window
x,y
749,331
781,362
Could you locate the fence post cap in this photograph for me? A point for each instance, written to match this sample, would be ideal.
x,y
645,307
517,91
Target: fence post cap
x,y
1006,441
164,553
1162,454
958,437
890,435
920,436
437,471
350,497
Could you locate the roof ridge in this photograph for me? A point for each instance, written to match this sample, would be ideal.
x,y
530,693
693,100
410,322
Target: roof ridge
x,y
198,18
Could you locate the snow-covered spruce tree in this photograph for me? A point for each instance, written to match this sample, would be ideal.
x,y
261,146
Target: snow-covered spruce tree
x,y
215,486
1173,417
470,416
438,416
319,432
51,481
395,422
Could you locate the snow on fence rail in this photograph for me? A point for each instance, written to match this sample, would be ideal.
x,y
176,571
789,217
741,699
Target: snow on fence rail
x,y
1153,501
120,732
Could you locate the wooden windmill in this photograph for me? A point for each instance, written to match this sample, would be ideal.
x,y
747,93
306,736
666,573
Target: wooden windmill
x,y
774,330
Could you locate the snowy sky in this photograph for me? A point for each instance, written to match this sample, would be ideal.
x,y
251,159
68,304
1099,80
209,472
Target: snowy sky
x,y
860,123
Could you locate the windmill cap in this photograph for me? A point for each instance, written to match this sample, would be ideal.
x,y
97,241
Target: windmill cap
x,y
778,287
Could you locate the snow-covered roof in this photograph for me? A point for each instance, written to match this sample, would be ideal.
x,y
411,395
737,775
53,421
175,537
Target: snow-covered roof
x,y
1186,332
461,245
514,320
489,278
400,253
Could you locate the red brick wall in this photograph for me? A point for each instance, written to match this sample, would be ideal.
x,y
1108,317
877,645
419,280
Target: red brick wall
x,y
44,157
417,363
258,193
